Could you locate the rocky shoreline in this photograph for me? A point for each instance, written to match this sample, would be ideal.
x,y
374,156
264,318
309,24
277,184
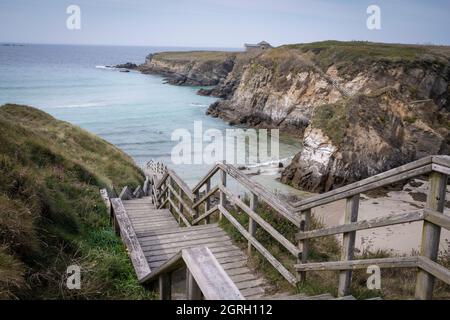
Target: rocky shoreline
x,y
360,108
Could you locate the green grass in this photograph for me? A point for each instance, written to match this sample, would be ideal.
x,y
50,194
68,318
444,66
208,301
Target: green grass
x,y
332,119
51,213
194,56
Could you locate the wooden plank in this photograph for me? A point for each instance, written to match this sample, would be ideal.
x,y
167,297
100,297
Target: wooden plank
x,y
389,220
398,262
262,223
303,245
205,215
181,215
256,291
183,243
150,252
208,176
193,291
222,196
410,170
437,218
205,197
210,277
126,194
441,169
431,234
130,239
186,235
181,200
250,284
165,287
258,246
348,245
146,187
441,160
183,186
221,253
435,269
177,229
208,200
251,221
282,207
138,192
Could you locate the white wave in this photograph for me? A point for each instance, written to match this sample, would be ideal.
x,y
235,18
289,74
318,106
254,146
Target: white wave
x,y
81,105
270,163
195,104
104,67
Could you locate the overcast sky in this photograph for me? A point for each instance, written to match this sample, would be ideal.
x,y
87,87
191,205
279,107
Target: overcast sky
x,y
222,23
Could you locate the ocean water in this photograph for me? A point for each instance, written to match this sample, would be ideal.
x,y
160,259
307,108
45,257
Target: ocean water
x,y
136,112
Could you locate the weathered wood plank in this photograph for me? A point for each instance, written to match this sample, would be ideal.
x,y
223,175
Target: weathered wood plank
x,y
252,222
348,245
272,200
261,222
205,215
181,215
208,176
181,200
183,186
389,220
205,197
431,234
138,192
437,218
410,170
435,269
210,277
258,246
399,262
303,245
126,194
130,239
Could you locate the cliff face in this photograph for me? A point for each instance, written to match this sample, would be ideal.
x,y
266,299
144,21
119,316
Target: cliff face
x,y
360,108
190,68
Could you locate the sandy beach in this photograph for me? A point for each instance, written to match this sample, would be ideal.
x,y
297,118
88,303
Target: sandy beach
x,y
398,239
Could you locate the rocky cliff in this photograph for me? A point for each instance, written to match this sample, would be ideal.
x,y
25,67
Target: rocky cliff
x,y
360,108
196,68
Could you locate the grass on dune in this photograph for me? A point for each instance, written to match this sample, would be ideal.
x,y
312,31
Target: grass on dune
x,y
51,214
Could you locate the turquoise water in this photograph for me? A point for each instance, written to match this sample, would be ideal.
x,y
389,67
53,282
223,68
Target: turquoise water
x,y
135,112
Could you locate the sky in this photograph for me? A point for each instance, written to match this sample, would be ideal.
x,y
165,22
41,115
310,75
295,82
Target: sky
x,y
222,23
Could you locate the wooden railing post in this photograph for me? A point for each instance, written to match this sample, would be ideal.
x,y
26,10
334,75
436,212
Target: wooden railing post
x,y
208,201
169,192
303,245
223,182
196,198
193,291
348,244
165,287
430,234
180,206
251,222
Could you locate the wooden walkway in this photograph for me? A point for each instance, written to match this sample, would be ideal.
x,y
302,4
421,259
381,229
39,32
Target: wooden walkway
x,y
160,238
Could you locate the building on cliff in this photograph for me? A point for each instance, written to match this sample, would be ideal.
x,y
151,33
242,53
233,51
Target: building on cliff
x,y
263,45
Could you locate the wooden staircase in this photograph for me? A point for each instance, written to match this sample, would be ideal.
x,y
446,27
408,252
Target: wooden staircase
x,y
160,240
161,237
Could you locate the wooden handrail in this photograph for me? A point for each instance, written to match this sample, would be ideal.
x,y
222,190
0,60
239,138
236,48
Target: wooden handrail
x,y
282,207
410,170
299,213
210,279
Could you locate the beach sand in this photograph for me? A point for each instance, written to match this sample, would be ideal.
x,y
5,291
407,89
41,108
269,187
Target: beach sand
x,y
401,239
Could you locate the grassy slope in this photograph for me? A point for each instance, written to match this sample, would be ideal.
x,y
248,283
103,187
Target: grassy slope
x,y
51,215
